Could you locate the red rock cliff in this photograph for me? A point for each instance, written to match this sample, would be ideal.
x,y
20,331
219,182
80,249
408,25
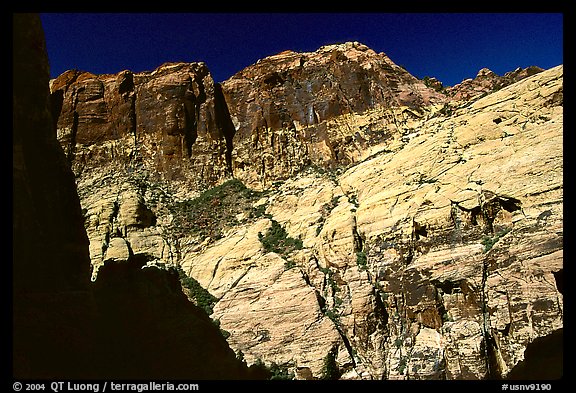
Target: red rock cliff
x,y
266,123
170,121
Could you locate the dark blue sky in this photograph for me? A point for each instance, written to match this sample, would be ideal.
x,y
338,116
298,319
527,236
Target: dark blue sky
x,y
449,46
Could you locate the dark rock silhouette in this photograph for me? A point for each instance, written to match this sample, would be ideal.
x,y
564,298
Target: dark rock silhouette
x,y
132,322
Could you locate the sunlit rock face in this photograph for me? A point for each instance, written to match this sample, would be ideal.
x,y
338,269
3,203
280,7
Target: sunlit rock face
x,y
266,123
360,218
294,110
170,121
486,81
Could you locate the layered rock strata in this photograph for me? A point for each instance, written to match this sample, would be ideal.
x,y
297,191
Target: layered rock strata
x,y
283,108
171,121
265,124
425,243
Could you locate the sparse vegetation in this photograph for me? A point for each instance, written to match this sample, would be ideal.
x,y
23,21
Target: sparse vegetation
x,y
289,265
216,209
273,372
446,110
224,333
334,316
361,260
329,172
202,298
489,241
447,318
280,372
277,240
260,211
331,284
402,365
325,211
353,199
330,370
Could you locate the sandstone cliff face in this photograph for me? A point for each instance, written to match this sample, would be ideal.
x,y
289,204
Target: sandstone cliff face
x,y
442,259
386,229
283,108
170,121
461,234
266,123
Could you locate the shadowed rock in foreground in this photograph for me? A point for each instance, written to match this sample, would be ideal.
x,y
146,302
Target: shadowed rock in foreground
x,y
133,322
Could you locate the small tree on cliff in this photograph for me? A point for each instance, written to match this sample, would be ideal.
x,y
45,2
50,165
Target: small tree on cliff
x,y
330,368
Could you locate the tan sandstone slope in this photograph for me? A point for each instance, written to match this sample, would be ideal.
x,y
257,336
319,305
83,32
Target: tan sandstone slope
x,y
431,250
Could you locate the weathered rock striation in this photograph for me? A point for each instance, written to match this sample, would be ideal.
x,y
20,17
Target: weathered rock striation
x,y
389,229
466,243
283,108
171,121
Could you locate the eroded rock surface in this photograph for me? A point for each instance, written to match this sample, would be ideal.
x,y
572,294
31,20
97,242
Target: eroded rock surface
x,y
284,106
169,121
417,238
487,81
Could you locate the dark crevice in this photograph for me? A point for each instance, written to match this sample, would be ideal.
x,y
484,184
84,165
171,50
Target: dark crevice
x,y
510,204
321,301
192,104
409,254
506,331
559,278
190,124
419,230
445,288
494,371
472,213
56,102
132,112
440,307
72,143
133,132
225,124
488,342
448,287
348,346
492,205
274,79
358,240
489,211
127,83
380,310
